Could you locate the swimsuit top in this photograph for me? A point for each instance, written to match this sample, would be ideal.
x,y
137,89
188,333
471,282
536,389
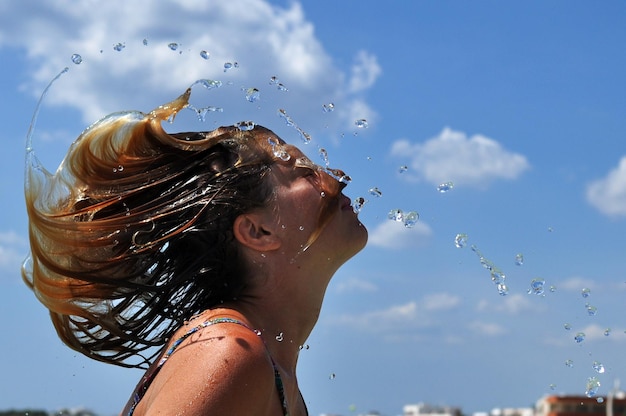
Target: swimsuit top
x,y
150,375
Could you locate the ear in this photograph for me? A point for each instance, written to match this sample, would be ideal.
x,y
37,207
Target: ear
x,y
251,231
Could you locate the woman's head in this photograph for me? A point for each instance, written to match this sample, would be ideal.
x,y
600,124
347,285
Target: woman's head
x,y
134,232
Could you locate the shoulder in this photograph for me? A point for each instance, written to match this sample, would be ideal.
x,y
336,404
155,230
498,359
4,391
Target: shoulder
x,y
219,369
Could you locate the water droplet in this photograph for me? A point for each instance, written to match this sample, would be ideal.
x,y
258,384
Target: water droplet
x,y
607,332
173,46
306,138
279,337
205,55
395,215
552,288
328,108
258,332
552,386
245,125
403,168
537,286
281,87
579,337
593,384
119,46
361,123
77,59
332,376
278,150
519,259
209,84
410,219
497,276
227,66
585,292
445,187
503,289
375,192
145,41
569,363
273,80
324,155
598,367
591,310
253,94
304,347
600,400
460,240
550,229
357,204
301,228
567,326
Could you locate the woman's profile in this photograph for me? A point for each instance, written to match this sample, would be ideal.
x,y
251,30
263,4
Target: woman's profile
x,y
202,257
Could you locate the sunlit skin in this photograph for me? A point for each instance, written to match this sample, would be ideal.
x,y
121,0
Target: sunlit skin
x,y
226,369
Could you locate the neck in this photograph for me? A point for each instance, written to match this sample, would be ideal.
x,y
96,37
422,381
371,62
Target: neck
x,y
284,304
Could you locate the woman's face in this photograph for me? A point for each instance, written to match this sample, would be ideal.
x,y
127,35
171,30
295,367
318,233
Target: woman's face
x,y
312,211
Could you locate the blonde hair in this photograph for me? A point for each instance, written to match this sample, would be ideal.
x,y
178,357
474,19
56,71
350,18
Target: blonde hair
x,y
133,233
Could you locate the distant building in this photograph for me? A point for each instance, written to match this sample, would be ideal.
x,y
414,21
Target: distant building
x,y
422,409
581,406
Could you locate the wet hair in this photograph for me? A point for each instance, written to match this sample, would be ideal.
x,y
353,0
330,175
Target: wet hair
x,y
133,233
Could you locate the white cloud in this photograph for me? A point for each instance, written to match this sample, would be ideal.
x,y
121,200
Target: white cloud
x,y
264,40
356,285
394,235
453,156
576,283
440,301
486,328
411,315
512,304
365,71
608,195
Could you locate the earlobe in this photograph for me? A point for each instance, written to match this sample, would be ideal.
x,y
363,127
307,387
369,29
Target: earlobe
x,y
250,231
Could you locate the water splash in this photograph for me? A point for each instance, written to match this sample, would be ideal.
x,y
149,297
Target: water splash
x,y
460,240
253,94
592,387
537,287
410,219
245,125
328,108
396,215
598,367
306,138
209,84
278,149
323,155
445,187
358,203
361,123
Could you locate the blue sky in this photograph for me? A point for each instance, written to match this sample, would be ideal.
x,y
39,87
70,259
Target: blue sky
x,y
521,105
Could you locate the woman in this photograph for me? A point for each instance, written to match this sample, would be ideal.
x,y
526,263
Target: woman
x,y
203,257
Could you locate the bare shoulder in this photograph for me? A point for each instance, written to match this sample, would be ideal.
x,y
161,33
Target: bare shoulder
x,y
220,369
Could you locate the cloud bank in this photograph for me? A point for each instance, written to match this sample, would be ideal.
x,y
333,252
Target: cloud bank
x,y
147,53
